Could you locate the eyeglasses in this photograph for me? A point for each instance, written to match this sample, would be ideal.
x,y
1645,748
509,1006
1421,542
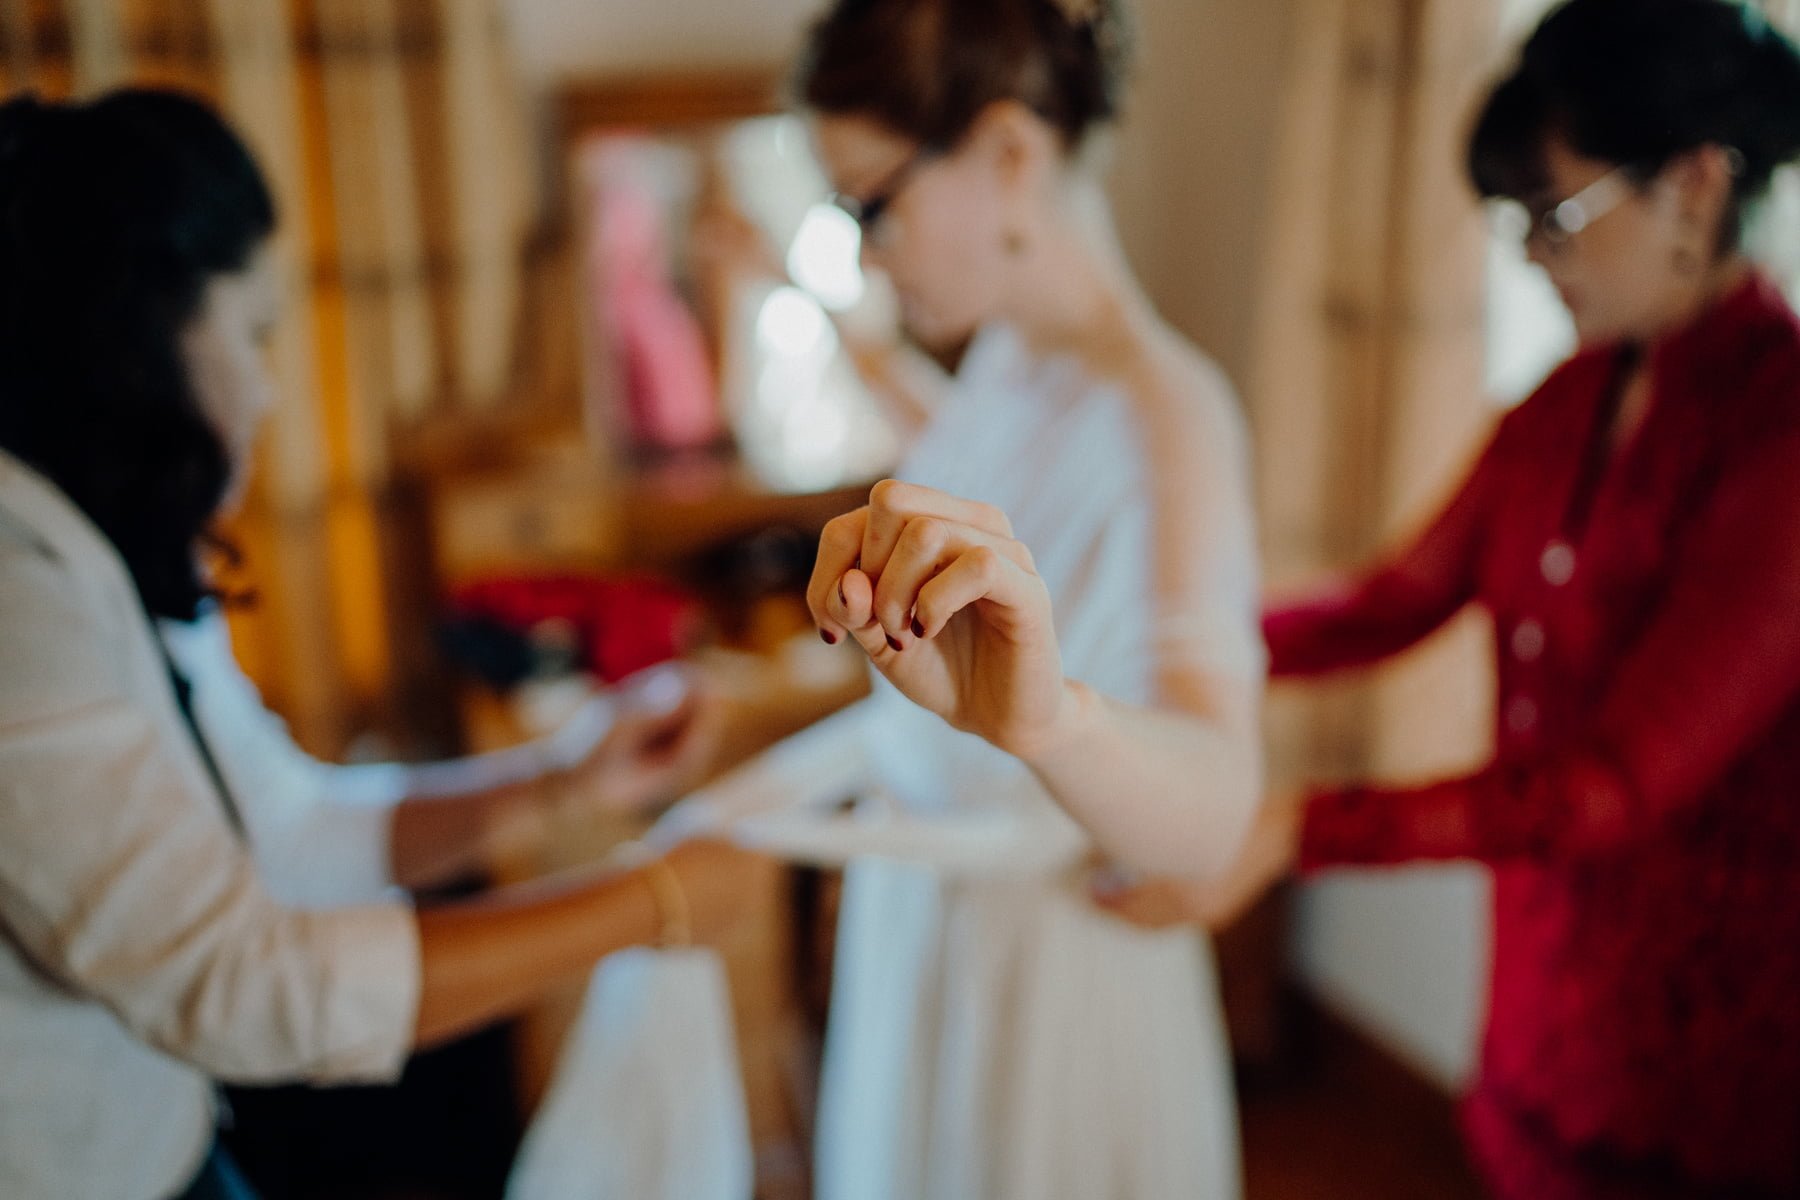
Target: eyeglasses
x,y
868,214
1560,222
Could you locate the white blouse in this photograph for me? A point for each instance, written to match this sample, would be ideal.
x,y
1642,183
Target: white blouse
x,y
142,953
320,832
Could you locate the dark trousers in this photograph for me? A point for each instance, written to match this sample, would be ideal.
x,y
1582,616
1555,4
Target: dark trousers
x,y
448,1129
219,1179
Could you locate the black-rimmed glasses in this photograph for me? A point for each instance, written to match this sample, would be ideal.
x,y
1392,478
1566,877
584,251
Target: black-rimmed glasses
x,y
868,213
1558,223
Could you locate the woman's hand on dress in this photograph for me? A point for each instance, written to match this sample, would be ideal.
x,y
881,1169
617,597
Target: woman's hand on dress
x,y
652,753
950,608
1267,857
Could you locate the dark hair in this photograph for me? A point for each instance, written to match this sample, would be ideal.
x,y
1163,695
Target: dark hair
x,y
927,68
1637,83
114,215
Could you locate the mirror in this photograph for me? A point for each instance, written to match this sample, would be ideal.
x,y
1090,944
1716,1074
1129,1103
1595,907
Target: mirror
x,y
723,302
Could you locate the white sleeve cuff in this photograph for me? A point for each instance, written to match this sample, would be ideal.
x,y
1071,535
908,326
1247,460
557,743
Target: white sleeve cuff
x,y
370,1007
341,855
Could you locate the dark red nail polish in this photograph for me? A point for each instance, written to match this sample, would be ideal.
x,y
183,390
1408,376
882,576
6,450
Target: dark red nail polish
x,y
830,637
918,627
894,643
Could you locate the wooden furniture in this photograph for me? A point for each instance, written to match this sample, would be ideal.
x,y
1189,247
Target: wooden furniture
x,y
666,101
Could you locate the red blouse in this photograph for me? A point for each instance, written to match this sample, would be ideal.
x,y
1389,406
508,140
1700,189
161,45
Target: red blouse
x,y
1642,812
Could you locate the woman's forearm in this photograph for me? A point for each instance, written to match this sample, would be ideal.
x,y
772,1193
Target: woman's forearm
x,y
1164,791
476,774
487,958
452,810
627,750
434,841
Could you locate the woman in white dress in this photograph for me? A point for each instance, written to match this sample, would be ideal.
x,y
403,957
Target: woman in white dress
x,y
993,1034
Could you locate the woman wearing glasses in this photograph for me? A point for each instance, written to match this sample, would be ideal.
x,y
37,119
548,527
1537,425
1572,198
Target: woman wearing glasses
x,y
1634,531
993,1033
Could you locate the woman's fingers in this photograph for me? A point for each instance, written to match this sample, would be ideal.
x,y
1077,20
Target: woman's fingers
x,y
979,573
877,608
925,547
1163,903
847,613
892,505
840,545
928,548
851,605
1148,906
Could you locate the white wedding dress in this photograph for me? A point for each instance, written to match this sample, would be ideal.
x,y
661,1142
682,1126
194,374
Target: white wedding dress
x,y
993,1035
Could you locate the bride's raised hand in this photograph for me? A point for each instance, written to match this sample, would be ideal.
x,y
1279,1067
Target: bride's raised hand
x,y
950,608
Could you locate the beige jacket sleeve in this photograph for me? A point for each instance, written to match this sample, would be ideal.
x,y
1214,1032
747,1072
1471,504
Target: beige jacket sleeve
x,y
122,880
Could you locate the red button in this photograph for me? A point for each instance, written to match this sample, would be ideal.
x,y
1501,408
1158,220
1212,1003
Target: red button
x,y
1522,714
1528,641
1558,563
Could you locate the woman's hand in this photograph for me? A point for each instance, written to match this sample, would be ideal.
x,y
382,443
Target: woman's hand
x,y
649,757
1267,857
949,607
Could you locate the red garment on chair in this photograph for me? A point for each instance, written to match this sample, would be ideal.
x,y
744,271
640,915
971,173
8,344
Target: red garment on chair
x,y
1642,812
624,624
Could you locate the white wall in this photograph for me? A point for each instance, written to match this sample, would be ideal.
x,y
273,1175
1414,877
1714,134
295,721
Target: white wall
x,y
1196,158
1402,956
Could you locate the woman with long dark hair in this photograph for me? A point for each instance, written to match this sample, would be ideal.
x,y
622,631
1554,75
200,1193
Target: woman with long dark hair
x,y
1633,529
185,898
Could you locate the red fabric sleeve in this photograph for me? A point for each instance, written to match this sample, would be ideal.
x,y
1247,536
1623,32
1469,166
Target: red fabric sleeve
x,y
1363,619
1715,668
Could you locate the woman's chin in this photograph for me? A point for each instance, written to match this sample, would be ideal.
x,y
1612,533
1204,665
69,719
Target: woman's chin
x,y
932,329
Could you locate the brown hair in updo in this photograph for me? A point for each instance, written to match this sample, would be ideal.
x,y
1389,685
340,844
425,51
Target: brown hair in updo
x,y
927,68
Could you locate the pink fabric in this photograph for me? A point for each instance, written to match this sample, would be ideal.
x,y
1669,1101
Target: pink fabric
x,y
657,345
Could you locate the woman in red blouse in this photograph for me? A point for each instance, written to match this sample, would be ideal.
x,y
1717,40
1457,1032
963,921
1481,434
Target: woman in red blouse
x,y
1634,531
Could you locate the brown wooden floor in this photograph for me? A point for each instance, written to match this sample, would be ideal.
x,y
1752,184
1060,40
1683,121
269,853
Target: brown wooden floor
x,y
1342,1121
1349,1123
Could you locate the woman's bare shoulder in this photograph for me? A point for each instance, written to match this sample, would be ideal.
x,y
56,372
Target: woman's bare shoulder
x,y
1182,399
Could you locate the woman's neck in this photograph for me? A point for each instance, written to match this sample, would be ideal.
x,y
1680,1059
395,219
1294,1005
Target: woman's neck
x,y
1073,292
1717,282
1720,281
